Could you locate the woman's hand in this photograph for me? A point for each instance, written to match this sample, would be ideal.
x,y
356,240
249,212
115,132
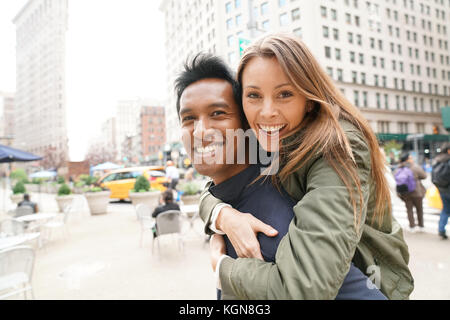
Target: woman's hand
x,y
241,229
217,247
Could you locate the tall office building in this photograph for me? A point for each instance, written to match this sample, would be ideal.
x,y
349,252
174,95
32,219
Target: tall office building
x,y
6,118
40,111
391,58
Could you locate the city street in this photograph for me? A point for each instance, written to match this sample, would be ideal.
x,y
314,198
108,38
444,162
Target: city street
x,y
102,259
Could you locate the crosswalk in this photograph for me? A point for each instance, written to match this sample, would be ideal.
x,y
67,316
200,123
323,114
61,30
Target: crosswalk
x,y
430,215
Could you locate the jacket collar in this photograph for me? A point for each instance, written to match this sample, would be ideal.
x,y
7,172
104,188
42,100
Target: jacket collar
x,y
232,189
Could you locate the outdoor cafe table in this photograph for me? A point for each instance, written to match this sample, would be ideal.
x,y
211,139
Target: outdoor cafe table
x,y
16,240
36,217
191,212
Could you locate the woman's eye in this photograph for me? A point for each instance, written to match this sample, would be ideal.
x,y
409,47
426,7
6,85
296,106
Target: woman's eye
x,y
253,95
286,94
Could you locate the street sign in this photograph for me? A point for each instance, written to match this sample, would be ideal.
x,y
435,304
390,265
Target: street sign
x,y
243,44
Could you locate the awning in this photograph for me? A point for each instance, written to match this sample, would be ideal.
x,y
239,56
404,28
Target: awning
x,y
403,137
445,112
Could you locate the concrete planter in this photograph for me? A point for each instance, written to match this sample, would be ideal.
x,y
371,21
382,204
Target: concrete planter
x,y
190,199
16,198
63,201
98,201
149,198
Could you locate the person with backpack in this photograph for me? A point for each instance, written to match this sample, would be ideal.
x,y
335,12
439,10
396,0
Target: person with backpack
x,y
440,176
410,189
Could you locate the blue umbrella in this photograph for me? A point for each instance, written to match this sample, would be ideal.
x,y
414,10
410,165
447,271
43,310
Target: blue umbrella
x,y
43,174
8,154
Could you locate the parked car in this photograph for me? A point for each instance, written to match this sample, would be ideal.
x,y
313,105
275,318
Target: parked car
x,y
121,181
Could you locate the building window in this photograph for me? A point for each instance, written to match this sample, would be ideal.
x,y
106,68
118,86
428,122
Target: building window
x,y
340,76
229,23
323,12
228,7
295,14
266,25
238,20
284,19
325,31
328,52
356,97
264,8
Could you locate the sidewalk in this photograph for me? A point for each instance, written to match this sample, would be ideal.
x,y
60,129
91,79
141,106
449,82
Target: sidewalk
x,y
102,259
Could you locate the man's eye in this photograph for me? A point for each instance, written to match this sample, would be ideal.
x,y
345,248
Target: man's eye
x,y
218,113
187,118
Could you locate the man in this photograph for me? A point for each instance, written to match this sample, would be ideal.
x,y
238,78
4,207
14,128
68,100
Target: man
x,y
26,202
173,174
413,197
208,104
441,178
167,198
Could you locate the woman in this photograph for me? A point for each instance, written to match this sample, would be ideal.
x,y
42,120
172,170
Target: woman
x,y
331,165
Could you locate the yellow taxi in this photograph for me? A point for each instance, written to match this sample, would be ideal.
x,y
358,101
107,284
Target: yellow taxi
x,y
121,181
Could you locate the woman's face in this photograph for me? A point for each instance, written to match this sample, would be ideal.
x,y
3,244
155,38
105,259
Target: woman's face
x,y
273,106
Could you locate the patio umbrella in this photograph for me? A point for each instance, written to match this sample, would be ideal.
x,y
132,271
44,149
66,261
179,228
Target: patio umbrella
x,y
106,166
43,174
8,154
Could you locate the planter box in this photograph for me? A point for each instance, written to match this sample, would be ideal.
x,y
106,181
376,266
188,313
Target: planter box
x,y
63,201
98,201
149,198
16,198
190,199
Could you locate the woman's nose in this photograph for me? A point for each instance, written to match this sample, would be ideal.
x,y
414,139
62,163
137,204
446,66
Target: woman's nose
x,y
268,109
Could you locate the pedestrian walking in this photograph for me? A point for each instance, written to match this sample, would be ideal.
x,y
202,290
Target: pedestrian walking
x,y
173,174
410,189
441,179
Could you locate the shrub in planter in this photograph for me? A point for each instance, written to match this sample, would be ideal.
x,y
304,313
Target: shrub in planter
x,y
64,197
19,188
97,199
87,179
143,193
190,193
19,175
18,192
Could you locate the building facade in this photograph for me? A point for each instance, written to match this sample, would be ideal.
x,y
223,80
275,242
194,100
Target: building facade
x,y
40,106
152,131
391,58
6,118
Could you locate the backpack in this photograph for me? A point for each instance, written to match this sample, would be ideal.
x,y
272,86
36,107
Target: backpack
x,y
404,178
440,175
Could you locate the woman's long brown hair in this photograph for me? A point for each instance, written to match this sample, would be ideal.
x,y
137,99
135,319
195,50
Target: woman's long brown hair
x,y
321,132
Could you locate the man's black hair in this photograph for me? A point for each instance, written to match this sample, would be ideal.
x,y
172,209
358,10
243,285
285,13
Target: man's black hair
x,y
207,66
404,157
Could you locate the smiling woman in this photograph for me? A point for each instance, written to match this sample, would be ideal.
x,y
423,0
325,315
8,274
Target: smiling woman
x,y
332,169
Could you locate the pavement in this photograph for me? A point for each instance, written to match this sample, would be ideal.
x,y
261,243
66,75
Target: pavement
x,y
102,259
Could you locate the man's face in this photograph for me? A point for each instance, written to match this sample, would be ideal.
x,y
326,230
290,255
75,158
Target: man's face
x,y
207,110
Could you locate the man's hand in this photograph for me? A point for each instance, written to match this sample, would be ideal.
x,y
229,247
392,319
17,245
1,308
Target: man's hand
x,y
217,247
241,229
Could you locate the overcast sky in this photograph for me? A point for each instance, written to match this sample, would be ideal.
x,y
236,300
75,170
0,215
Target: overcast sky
x,y
115,50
